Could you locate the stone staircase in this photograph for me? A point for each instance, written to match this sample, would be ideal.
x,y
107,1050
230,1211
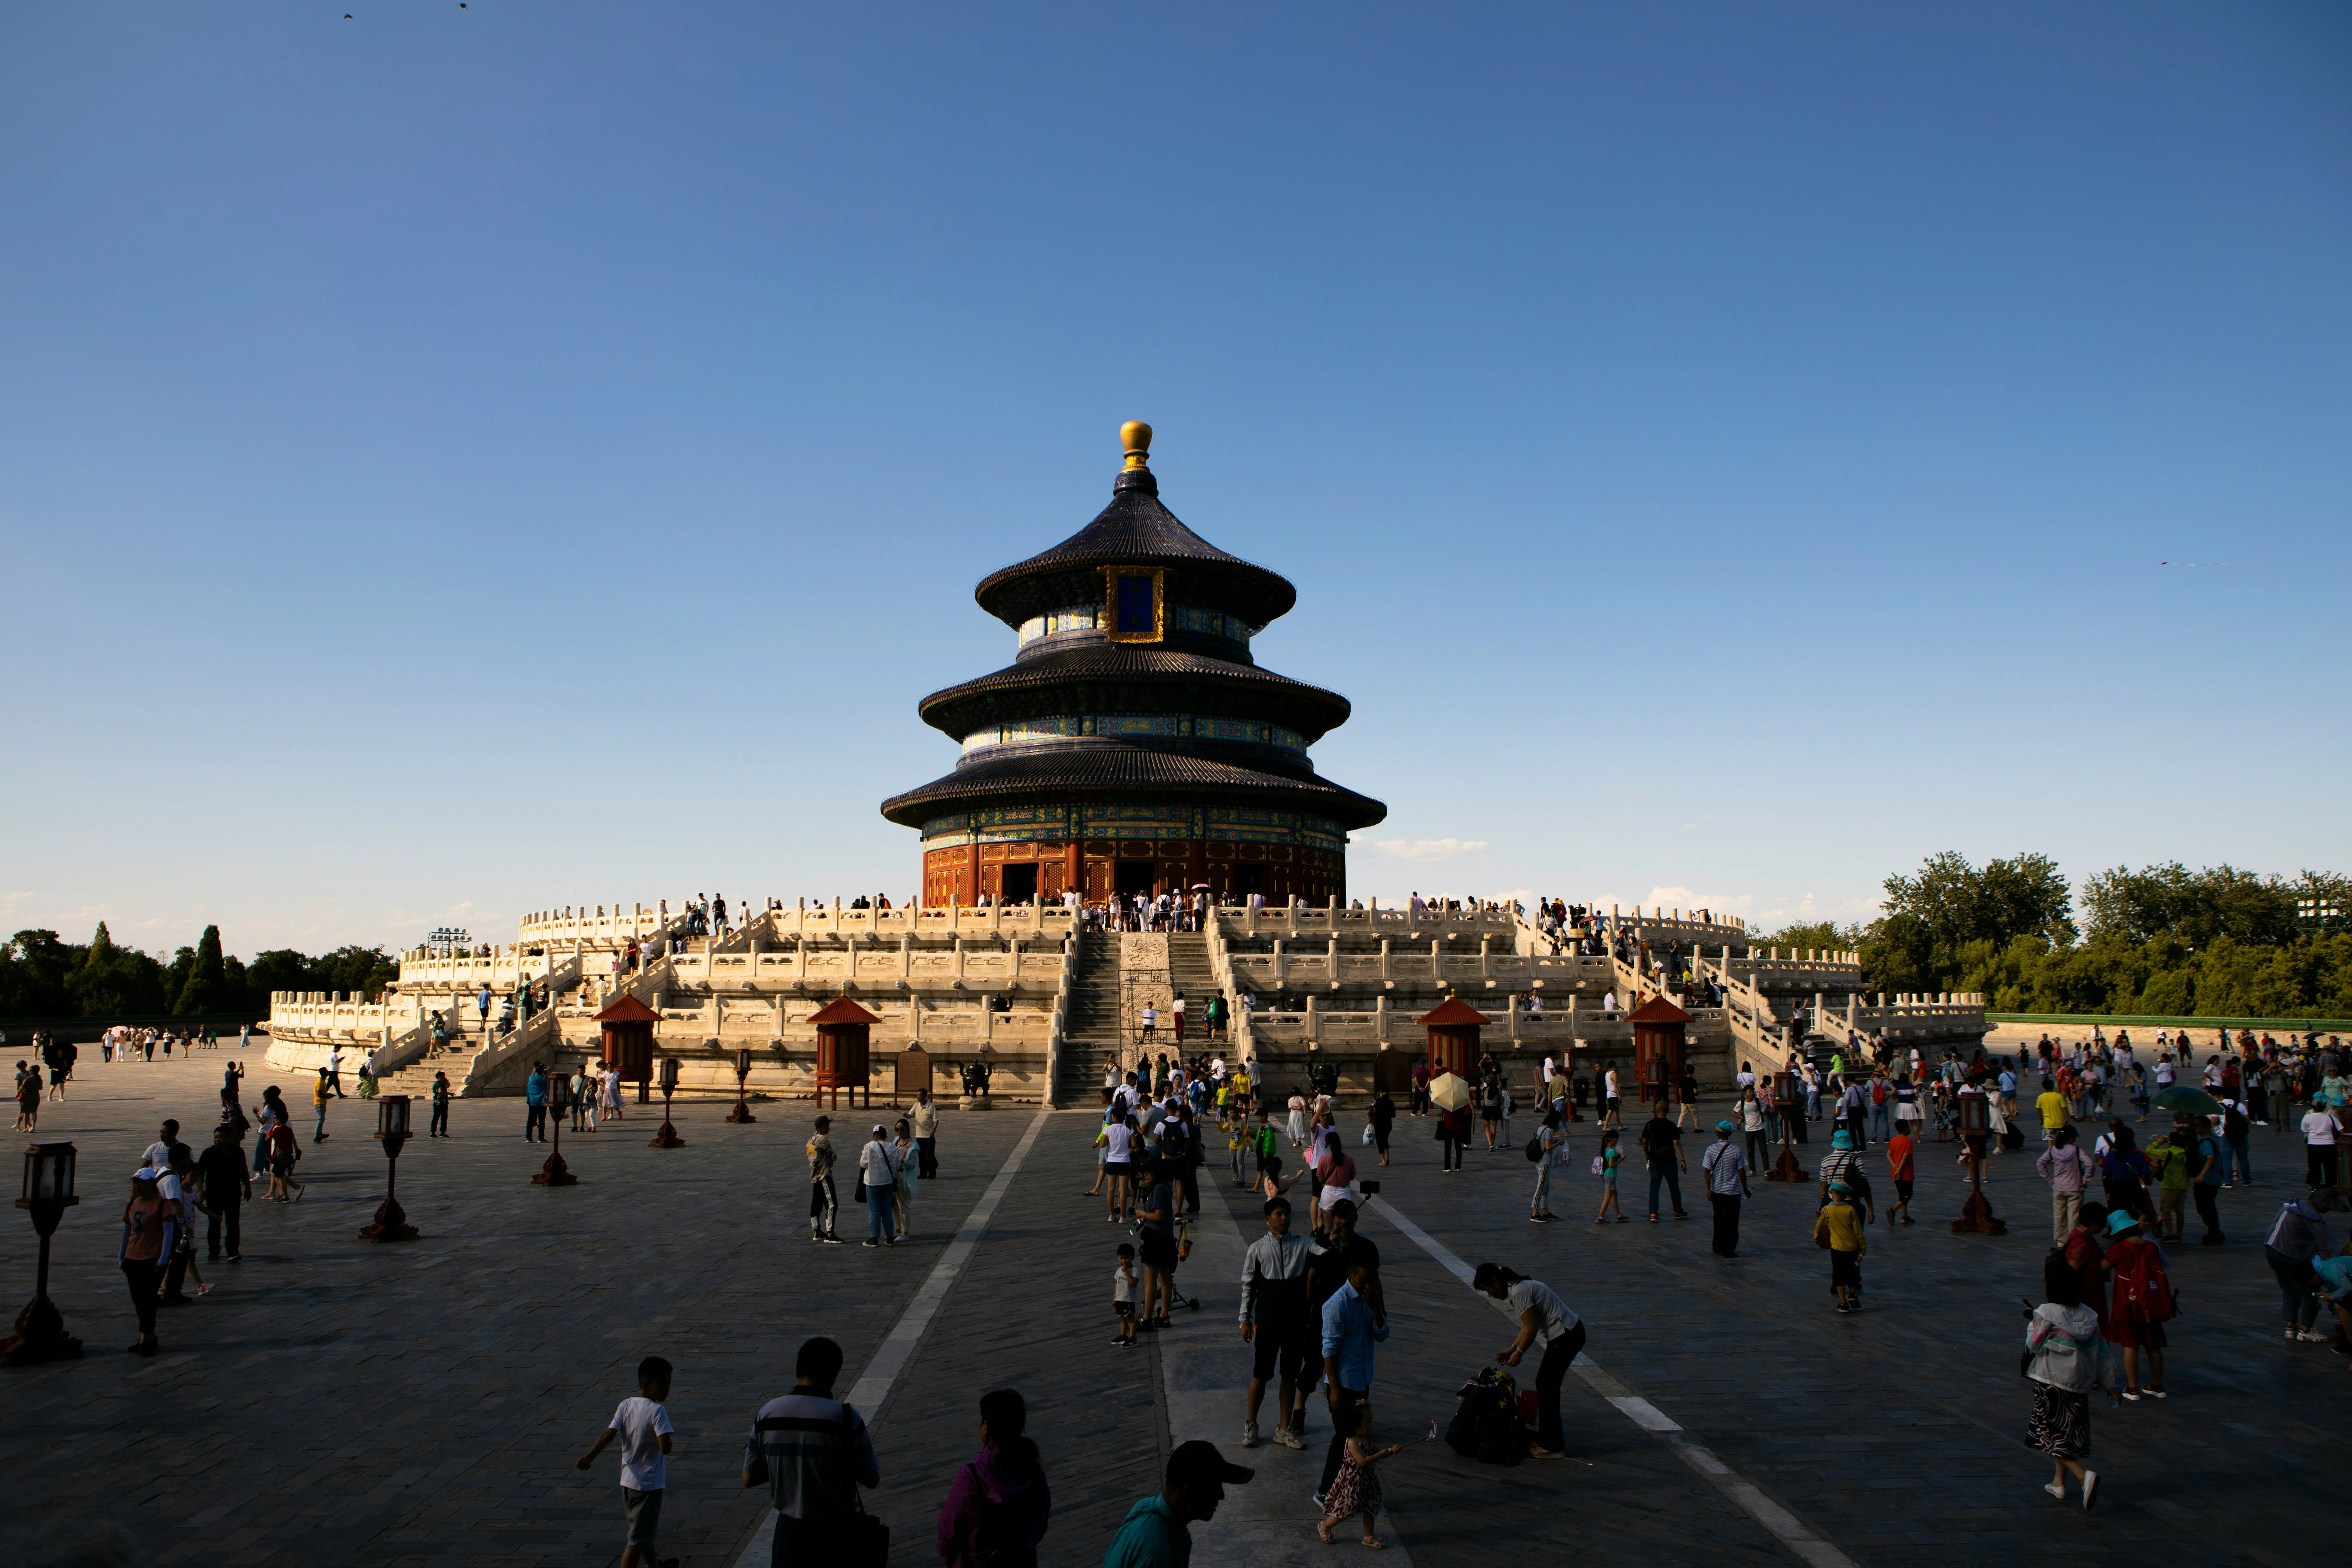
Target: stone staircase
x,y
1189,972
1091,1037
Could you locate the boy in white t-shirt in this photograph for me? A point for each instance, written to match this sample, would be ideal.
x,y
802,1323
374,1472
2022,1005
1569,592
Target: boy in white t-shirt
x,y
642,1426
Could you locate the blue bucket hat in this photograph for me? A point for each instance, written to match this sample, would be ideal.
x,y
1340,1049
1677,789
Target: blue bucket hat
x,y
2121,1221
1843,1141
1723,1127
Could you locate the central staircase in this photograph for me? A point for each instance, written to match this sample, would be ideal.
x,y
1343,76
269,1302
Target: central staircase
x,y
1091,1040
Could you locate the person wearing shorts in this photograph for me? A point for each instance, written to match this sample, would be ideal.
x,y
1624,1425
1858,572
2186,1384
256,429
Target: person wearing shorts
x,y
1122,1295
1286,1347
1118,1165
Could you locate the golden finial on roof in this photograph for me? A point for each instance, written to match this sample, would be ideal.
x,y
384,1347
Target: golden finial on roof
x,y
1136,436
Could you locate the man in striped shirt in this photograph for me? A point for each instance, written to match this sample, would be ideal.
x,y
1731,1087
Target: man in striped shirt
x,y
812,1453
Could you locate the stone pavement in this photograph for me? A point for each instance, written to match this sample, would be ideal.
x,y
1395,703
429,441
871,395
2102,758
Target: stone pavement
x,y
337,1402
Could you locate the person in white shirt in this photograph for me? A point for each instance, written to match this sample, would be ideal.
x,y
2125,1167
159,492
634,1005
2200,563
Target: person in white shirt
x,y
642,1424
1541,1314
878,1168
2319,1153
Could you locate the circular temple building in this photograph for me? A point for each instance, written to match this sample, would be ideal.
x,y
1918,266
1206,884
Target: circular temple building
x,y
1133,745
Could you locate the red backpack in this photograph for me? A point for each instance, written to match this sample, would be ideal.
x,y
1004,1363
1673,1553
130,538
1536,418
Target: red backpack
x,y
2144,1287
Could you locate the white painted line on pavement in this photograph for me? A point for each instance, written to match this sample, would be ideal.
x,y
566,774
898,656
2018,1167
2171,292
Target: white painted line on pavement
x,y
1786,1528
1645,1416
872,1389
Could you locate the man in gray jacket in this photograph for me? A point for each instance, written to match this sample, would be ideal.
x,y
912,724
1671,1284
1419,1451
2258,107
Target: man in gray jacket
x,y
1274,1317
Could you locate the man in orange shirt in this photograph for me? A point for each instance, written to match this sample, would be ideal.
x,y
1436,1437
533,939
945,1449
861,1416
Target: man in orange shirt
x,y
1899,1163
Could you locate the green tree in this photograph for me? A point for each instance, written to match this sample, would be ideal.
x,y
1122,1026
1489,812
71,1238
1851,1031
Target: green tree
x,y
206,989
36,974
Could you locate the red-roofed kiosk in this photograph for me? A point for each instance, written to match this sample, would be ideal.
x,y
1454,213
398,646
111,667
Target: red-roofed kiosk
x,y
628,1026
841,1050
1453,1037
1658,1027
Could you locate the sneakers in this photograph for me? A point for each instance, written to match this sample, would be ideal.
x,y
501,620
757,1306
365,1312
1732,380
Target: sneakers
x,y
1288,1439
869,1241
2054,1489
1249,1434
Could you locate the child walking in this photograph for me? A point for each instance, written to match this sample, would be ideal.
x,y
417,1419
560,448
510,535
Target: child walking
x,y
642,1426
1355,1489
1840,1229
1608,1159
1122,1295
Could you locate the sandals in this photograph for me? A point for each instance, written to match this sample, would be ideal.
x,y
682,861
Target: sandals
x,y
1321,1530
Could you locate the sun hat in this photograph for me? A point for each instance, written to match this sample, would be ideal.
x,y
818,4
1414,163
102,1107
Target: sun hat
x,y
1840,1187
2122,1220
1723,1127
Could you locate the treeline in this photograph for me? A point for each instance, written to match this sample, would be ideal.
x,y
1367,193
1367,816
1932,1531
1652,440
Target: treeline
x,y
43,977
2161,941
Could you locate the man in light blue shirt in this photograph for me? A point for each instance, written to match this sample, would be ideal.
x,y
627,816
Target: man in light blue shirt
x,y
1350,1329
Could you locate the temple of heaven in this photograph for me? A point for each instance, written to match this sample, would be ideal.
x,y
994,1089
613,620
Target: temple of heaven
x,y
1133,745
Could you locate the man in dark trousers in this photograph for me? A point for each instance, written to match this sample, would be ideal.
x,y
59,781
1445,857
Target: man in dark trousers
x,y
1727,1183
1343,1259
226,1186
1662,1141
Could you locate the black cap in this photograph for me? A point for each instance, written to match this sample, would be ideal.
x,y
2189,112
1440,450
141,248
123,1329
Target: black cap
x,y
1199,1461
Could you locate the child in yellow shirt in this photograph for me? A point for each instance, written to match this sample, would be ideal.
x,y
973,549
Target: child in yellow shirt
x,y
1840,1229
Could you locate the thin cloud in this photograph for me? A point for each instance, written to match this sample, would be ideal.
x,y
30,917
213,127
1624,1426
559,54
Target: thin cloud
x,y
1430,848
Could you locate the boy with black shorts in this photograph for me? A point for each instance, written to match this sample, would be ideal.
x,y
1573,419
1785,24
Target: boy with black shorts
x,y
1898,1161
1122,1295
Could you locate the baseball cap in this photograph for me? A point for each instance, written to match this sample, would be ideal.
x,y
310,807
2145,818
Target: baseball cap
x,y
1199,1461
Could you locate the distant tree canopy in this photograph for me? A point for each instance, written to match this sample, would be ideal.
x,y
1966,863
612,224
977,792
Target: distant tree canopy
x,y
43,977
2162,940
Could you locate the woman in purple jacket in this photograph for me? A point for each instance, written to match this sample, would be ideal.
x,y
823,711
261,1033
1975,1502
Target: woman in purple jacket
x,y
997,1509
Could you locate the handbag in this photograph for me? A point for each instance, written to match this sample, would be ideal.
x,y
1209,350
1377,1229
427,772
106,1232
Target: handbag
x,y
868,1541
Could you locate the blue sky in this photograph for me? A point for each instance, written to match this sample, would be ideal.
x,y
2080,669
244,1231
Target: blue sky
x,y
453,462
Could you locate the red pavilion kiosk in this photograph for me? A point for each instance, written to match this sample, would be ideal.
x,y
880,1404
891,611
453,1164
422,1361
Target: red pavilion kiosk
x,y
628,1026
1658,1043
841,1050
1453,1037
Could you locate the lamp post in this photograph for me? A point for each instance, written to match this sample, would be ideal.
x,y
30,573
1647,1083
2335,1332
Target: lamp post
x,y
1975,1125
1791,1103
555,1174
48,1192
743,1111
391,1130
667,1137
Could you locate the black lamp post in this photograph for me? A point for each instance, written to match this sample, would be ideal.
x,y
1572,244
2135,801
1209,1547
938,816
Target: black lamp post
x,y
48,1192
1975,1125
667,1137
391,1129
555,1172
743,1111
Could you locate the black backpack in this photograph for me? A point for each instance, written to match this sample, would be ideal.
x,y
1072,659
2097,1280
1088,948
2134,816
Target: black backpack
x,y
1485,1425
